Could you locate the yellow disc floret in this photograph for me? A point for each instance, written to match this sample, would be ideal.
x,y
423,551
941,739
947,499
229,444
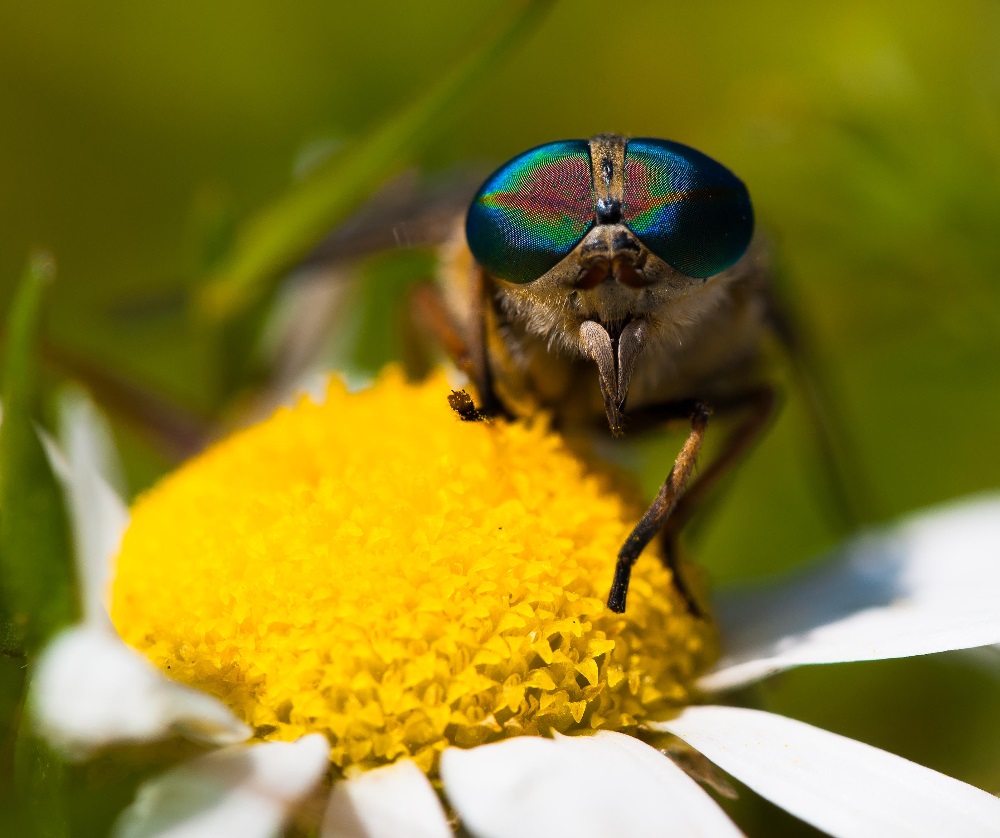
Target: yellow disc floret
x,y
375,569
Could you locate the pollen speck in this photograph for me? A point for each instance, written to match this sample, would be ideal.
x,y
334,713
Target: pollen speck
x,y
375,569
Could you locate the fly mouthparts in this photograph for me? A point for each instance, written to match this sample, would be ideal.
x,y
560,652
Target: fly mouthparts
x,y
615,359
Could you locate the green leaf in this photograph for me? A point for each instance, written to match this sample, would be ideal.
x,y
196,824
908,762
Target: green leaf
x,y
12,681
37,576
40,782
286,230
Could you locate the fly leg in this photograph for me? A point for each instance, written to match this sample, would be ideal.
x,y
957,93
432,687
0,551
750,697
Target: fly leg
x,y
430,313
659,511
463,343
758,405
677,502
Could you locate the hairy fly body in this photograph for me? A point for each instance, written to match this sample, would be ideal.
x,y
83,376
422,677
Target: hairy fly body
x,y
615,281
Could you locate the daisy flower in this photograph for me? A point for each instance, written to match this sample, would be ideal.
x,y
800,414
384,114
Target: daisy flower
x,y
367,602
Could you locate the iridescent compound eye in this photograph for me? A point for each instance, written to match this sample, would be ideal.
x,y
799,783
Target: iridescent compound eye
x,y
532,211
689,210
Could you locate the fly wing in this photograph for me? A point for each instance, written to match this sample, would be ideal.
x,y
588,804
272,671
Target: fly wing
x,y
409,212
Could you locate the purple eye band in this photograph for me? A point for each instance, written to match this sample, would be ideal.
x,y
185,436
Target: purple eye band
x,y
546,192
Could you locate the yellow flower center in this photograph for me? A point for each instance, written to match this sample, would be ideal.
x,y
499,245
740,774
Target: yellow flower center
x,y
377,570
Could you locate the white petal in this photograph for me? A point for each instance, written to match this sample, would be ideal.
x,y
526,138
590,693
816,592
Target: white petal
x,y
98,515
385,803
841,786
91,690
243,792
608,784
82,426
928,585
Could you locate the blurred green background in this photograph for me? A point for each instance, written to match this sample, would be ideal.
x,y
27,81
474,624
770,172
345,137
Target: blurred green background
x,y
134,136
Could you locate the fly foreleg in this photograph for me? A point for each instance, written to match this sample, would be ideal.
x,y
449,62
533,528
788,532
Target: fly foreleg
x,y
659,511
676,502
